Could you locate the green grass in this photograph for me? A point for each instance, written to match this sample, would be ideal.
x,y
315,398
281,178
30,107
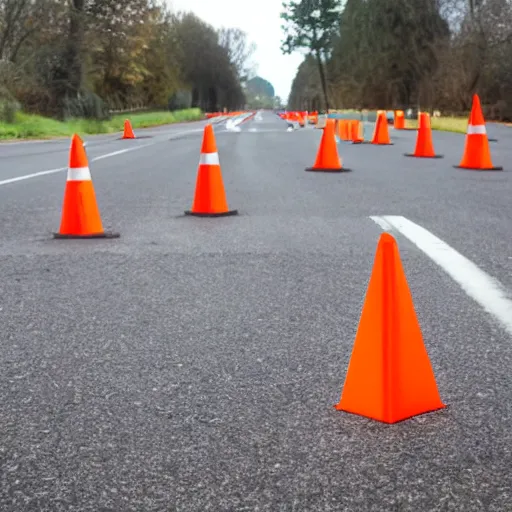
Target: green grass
x,y
29,126
445,124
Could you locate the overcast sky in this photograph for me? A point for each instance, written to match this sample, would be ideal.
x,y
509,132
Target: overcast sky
x,y
260,20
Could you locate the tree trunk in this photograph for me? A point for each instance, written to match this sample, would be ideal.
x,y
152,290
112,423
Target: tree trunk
x,y
74,47
322,79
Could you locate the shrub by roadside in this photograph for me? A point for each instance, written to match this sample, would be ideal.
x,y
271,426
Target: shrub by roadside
x,y
28,126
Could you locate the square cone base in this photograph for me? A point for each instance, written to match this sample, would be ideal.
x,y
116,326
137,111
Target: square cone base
x,y
415,156
397,422
105,234
315,169
221,214
480,169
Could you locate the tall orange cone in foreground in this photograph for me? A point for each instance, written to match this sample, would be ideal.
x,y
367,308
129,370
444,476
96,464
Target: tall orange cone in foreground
x,y
128,130
80,213
381,134
210,196
327,158
424,145
389,376
477,155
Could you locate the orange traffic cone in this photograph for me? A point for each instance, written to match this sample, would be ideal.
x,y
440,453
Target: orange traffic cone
x,y
389,376
477,155
399,122
80,213
210,196
381,134
424,145
128,130
344,129
327,158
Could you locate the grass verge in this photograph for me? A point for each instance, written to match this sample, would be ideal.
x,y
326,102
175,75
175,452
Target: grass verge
x,y
29,126
444,124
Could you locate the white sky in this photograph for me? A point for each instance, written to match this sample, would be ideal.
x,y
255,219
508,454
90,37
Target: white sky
x,y
260,20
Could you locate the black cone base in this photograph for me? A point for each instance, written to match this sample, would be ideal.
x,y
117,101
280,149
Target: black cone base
x,y
221,214
481,169
105,234
316,169
415,156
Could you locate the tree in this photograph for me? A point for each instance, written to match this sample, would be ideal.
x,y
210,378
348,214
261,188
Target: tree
x,y
207,68
85,57
311,24
239,52
306,91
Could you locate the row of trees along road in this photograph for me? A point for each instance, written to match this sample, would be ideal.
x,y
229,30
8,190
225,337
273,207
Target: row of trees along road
x,y
401,53
86,57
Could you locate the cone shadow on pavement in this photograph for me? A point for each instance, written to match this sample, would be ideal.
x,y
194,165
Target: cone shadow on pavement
x,y
327,158
210,196
80,214
389,376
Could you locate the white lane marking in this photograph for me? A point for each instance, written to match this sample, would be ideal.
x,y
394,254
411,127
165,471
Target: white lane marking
x,y
101,157
232,125
60,169
480,286
120,152
33,175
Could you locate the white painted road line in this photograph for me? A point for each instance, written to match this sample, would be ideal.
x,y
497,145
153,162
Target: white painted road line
x,y
60,169
101,157
29,176
120,152
480,286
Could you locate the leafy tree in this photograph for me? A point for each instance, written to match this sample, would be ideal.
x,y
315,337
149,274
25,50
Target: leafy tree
x,y
239,51
85,57
311,25
207,68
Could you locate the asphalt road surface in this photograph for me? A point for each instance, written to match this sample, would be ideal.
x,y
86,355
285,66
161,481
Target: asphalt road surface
x,y
193,364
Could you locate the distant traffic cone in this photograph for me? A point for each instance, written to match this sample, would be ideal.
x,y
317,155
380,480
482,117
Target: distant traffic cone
x,y
357,135
381,134
399,121
477,155
128,130
210,196
389,376
344,129
327,158
424,145
80,213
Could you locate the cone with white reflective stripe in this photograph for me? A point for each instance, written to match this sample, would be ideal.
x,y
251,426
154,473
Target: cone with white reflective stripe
x,y
477,155
80,213
210,196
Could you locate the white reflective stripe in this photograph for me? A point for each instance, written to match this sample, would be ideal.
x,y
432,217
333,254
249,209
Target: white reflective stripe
x,y
79,174
209,159
477,130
